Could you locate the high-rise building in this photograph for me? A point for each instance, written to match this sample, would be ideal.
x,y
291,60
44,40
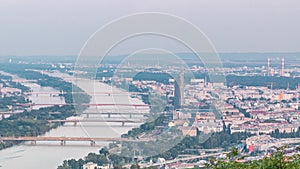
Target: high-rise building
x,y
179,91
177,95
181,87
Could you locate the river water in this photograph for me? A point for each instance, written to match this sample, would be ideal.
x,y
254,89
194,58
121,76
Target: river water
x,y
48,155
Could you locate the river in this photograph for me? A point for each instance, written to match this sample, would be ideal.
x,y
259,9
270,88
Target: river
x,y
48,155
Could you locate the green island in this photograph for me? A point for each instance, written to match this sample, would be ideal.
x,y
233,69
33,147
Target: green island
x,y
35,122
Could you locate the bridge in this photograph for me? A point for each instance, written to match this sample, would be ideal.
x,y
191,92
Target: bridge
x,y
114,113
75,121
95,104
92,93
206,150
2,114
63,140
31,105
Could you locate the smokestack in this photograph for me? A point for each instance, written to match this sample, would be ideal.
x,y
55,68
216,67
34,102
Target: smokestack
x,y
269,66
282,66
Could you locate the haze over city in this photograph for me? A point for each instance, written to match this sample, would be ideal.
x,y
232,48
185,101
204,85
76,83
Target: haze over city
x,y
62,27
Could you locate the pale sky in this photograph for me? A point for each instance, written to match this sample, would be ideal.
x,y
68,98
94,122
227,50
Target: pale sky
x,y
61,27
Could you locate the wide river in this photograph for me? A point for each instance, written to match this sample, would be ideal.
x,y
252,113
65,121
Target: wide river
x,y
48,155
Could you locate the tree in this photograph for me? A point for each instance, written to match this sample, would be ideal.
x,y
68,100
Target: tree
x,y
91,157
135,166
65,165
232,155
104,151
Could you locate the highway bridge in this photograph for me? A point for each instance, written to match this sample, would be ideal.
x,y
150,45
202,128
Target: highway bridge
x,y
31,105
95,104
180,159
76,121
2,114
63,140
114,113
92,93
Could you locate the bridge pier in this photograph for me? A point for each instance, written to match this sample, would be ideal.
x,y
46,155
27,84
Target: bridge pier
x,y
87,115
130,115
108,115
3,116
62,142
33,142
93,143
123,123
75,123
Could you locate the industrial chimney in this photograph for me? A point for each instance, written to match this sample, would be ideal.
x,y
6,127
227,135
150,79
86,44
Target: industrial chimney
x,y
282,66
269,66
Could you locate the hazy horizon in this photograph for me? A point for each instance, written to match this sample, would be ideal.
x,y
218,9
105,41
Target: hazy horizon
x,y
62,27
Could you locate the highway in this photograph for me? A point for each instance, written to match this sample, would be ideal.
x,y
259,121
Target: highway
x,y
181,159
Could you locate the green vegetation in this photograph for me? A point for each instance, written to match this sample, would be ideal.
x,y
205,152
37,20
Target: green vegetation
x,y
6,81
276,82
158,77
293,134
24,71
231,80
11,100
223,139
277,160
144,128
234,160
103,158
35,122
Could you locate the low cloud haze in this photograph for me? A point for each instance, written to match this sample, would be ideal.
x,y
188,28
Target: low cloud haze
x,y
62,27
